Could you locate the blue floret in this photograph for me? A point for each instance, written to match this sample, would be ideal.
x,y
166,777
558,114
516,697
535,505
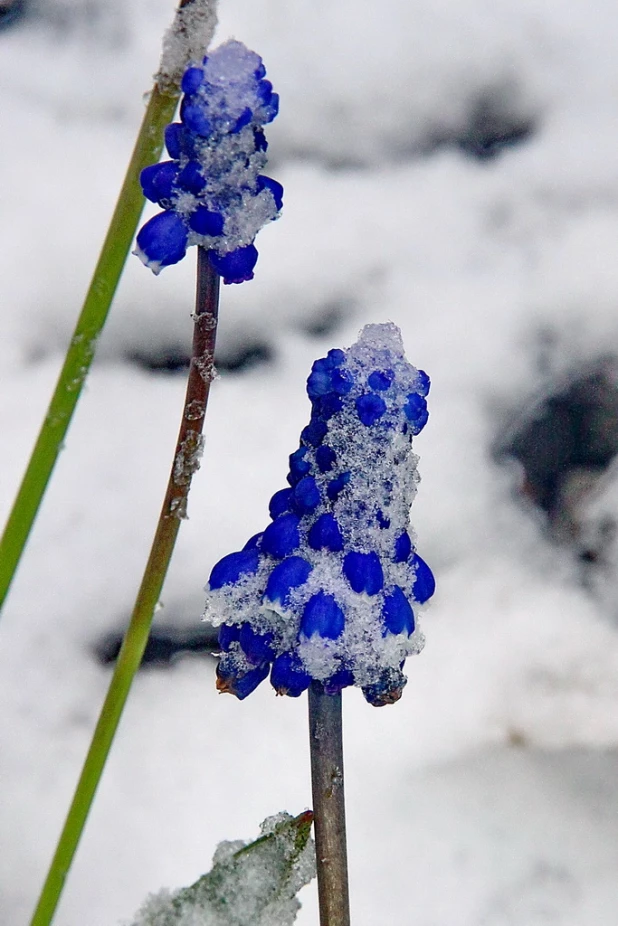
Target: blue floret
x,y
281,537
370,407
191,179
175,139
387,690
325,457
335,357
192,80
403,548
342,382
397,613
206,222
364,572
288,676
337,485
326,534
424,582
319,383
306,494
328,405
337,682
228,634
236,266
232,567
299,465
322,615
380,380
280,503
315,432
194,118
424,383
274,187
257,647
162,241
265,91
416,412
241,684
288,574
158,181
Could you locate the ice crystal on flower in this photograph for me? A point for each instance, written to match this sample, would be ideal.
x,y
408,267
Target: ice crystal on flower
x,y
330,590
213,191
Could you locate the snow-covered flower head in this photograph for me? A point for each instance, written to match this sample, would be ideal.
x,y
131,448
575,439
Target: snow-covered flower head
x,y
330,590
212,190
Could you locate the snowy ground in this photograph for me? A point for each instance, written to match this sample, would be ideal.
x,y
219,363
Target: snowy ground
x,y
488,795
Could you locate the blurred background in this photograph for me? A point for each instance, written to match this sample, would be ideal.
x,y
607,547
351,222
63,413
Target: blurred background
x,y
448,166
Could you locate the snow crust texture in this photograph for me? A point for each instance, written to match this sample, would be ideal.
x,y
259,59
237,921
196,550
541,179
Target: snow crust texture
x,y
213,192
328,592
249,885
187,39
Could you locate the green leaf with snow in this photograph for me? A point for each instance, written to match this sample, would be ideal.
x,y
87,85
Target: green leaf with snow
x,y
253,884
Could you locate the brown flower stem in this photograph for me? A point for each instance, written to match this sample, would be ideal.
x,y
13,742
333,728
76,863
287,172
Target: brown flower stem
x,y
326,746
185,464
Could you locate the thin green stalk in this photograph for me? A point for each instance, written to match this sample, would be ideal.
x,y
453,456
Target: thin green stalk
x,y
186,462
326,746
160,110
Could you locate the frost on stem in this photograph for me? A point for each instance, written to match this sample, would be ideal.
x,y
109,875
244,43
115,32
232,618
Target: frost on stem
x,y
330,590
249,885
178,508
213,191
187,39
188,458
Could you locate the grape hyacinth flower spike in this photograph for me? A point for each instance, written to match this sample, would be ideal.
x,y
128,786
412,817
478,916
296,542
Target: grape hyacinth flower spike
x,y
329,592
212,190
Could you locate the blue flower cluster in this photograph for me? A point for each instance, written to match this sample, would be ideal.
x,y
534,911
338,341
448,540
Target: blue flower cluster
x,y
212,190
330,590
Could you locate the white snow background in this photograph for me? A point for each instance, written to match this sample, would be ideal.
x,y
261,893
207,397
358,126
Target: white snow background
x,y
488,795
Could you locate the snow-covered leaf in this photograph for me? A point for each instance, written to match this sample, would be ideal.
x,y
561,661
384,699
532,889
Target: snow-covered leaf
x,y
252,884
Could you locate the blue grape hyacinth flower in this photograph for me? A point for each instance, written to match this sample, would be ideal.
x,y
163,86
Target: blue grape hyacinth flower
x,y
330,591
212,190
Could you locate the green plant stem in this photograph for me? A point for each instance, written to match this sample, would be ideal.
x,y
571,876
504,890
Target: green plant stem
x,y
159,112
186,462
326,746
